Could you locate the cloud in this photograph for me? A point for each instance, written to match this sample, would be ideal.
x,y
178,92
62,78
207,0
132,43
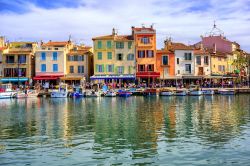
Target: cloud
x,y
183,20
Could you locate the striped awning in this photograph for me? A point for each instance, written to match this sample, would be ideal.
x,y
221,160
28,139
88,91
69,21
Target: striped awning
x,y
128,76
23,79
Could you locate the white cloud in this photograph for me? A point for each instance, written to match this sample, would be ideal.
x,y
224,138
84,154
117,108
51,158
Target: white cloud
x,y
176,18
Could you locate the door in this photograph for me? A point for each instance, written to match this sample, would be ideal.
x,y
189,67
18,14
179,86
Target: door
x,y
200,71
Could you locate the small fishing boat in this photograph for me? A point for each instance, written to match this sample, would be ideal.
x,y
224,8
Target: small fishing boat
x,y
62,92
150,91
124,93
180,93
6,91
227,91
208,92
110,94
27,94
93,93
195,93
166,92
77,92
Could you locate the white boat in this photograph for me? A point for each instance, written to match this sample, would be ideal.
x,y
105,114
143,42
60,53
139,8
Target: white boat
x,y
61,93
110,94
166,93
208,92
195,93
28,94
227,91
92,94
181,93
7,91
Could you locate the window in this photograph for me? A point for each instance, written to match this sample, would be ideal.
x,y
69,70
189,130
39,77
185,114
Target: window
x,y
54,56
80,69
188,56
110,68
10,59
43,67
131,57
120,69
145,40
55,67
178,61
109,44
21,58
198,60
206,61
221,68
71,69
43,56
99,44
99,55
141,67
164,60
100,68
56,48
141,54
109,55
129,44
150,67
150,53
70,58
219,58
80,57
188,68
119,57
178,72
119,45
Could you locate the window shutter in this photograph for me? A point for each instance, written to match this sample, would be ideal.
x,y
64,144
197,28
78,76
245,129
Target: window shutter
x,y
122,69
103,68
96,68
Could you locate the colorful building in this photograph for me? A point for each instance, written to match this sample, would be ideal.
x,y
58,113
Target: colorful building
x,y
18,62
79,65
202,62
51,61
145,51
165,62
114,59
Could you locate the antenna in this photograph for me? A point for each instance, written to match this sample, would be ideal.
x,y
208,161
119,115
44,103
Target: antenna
x,y
143,25
69,37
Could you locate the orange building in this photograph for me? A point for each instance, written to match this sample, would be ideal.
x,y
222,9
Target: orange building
x,y
145,51
165,63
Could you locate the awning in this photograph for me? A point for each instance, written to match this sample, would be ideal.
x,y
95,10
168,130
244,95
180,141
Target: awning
x,y
96,77
71,78
45,78
23,79
192,77
148,74
171,78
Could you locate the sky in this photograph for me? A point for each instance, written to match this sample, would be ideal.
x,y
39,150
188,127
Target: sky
x,y
182,20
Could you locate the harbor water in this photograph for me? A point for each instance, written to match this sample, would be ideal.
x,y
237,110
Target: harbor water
x,y
205,130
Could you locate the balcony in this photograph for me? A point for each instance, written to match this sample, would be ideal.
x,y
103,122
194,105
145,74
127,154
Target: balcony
x,y
27,49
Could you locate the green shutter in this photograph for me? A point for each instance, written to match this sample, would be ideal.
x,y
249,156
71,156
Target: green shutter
x,y
103,69
116,70
96,68
129,44
113,68
122,69
122,44
108,44
99,44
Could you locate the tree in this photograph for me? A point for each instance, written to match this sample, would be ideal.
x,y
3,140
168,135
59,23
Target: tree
x,y
240,63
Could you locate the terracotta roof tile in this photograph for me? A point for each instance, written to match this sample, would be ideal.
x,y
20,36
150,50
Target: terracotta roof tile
x,y
124,37
103,37
56,43
201,52
180,46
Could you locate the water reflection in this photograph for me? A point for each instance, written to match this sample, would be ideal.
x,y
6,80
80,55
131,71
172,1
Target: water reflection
x,y
134,130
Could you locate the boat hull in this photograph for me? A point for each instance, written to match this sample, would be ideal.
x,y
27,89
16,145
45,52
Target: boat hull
x,y
58,94
6,95
166,93
182,93
208,92
227,92
195,93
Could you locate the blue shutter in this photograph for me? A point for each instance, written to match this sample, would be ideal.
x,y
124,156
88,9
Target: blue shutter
x,y
55,67
54,56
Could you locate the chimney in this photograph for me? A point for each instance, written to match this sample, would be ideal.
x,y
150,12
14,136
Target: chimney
x,y
214,48
2,41
113,32
168,43
201,46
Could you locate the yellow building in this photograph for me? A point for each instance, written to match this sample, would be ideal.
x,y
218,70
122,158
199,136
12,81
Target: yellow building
x,y
79,64
219,63
114,58
18,62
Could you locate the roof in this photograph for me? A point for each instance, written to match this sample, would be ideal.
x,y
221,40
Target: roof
x,y
143,29
56,43
164,51
219,53
2,48
80,50
123,37
180,46
103,37
201,52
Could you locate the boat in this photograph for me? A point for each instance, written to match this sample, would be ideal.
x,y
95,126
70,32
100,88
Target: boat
x,y
93,93
27,94
124,93
195,93
110,94
180,93
227,91
62,92
77,92
6,91
208,92
166,92
150,91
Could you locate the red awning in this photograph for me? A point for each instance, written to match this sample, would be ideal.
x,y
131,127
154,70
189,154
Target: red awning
x,y
45,78
148,74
